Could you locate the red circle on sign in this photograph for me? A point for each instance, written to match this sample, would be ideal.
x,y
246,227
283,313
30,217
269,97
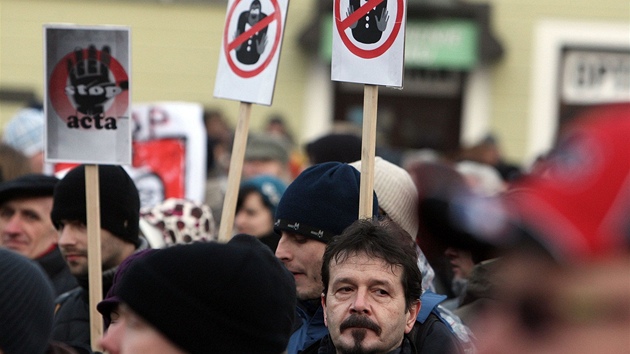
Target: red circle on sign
x,y
251,73
371,53
59,80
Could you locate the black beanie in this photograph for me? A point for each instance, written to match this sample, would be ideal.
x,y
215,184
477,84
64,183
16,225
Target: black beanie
x,y
229,298
27,186
26,305
119,201
321,202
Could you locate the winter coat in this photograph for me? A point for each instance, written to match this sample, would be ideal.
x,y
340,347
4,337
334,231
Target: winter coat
x,y
71,324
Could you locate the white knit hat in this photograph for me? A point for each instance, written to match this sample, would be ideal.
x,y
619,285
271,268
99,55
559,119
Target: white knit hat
x,y
397,194
25,131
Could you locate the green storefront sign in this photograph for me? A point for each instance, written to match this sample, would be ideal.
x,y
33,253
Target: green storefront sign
x,y
450,44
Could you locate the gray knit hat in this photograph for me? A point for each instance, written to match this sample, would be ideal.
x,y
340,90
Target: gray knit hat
x,y
26,305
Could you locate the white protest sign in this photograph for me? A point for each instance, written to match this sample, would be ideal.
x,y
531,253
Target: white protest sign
x,y
169,152
169,155
87,96
369,41
250,50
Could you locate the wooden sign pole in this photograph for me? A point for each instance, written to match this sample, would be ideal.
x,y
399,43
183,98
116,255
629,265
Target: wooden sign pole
x,y
234,175
368,151
95,272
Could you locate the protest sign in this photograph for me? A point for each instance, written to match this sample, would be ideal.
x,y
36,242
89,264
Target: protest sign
x,y
250,50
87,99
369,41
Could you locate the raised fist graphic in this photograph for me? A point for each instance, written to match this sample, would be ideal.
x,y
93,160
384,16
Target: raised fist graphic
x,y
90,84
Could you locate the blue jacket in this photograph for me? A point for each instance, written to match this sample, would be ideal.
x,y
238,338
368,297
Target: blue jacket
x,y
311,329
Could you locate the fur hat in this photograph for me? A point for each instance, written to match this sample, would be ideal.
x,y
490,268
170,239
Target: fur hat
x,y
27,186
119,201
210,297
397,194
26,305
177,221
25,131
321,202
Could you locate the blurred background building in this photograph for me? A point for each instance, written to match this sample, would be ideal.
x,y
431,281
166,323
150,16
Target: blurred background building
x,y
516,69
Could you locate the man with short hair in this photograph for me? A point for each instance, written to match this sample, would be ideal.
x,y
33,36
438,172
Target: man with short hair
x,y
372,288
119,213
26,228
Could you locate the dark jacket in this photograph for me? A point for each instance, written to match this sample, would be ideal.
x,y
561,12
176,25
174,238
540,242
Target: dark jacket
x,y
309,326
430,337
71,324
327,347
434,337
57,270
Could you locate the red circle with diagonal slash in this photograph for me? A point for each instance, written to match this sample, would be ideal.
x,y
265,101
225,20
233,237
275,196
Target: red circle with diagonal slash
x,y
59,80
251,73
369,53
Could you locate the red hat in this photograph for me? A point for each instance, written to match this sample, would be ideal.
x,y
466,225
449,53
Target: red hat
x,y
578,202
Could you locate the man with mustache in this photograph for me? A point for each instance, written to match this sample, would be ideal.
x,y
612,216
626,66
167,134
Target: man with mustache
x,y
314,210
372,287
316,207
119,214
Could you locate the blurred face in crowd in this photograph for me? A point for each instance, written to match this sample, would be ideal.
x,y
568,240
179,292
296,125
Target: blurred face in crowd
x,y
25,226
365,309
583,308
73,243
303,258
134,335
112,337
461,262
253,217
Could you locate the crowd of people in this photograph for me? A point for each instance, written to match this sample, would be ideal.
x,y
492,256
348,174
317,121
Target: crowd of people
x,y
455,257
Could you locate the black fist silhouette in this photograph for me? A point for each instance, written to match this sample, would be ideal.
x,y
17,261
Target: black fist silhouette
x,y
90,84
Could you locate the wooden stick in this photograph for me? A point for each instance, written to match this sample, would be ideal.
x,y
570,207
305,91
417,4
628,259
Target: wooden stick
x,y
368,150
234,175
95,273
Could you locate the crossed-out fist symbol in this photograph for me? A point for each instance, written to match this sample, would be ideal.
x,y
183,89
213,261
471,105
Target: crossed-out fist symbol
x,y
90,84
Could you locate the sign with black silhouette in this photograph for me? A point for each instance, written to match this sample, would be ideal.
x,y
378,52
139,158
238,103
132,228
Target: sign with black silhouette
x,y
250,50
369,41
87,101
